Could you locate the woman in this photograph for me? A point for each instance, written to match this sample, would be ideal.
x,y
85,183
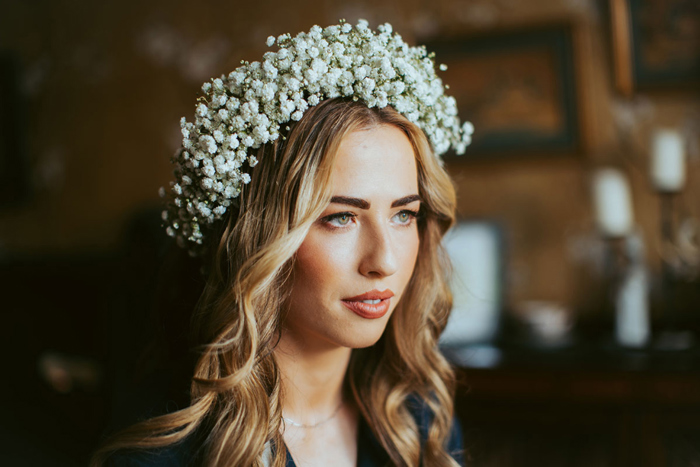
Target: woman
x,y
326,292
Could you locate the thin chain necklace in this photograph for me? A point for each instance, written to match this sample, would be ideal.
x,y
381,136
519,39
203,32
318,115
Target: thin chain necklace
x,y
301,425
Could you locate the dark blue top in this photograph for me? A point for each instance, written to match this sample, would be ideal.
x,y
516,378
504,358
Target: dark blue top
x,y
370,452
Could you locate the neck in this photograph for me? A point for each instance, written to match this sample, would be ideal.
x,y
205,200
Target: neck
x,y
312,378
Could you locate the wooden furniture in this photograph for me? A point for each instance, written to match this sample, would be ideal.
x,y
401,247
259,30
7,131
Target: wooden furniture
x,y
587,406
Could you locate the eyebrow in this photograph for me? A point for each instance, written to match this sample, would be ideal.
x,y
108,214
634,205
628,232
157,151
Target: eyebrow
x,y
362,204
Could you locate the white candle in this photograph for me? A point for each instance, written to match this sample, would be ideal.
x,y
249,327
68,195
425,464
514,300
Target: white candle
x,y
613,203
632,309
667,161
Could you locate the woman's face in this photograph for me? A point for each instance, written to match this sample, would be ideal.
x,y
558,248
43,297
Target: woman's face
x,y
353,266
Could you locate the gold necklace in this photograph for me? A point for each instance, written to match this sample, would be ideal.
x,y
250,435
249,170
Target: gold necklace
x,y
301,425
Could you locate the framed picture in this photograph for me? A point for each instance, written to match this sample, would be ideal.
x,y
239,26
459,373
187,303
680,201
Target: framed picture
x,y
475,249
656,44
518,88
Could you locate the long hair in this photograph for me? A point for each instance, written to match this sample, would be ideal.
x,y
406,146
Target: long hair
x,y
236,407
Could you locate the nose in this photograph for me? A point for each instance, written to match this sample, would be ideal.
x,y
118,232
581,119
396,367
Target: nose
x,y
378,253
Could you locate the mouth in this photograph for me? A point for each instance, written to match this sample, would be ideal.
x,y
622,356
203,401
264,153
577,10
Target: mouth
x,y
370,305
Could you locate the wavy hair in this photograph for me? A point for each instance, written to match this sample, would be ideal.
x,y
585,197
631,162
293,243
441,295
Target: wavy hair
x,y
236,407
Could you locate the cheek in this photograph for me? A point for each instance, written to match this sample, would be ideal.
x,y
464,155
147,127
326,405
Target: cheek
x,y
409,249
411,261
318,261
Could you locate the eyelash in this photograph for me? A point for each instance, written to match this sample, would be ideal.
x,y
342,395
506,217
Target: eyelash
x,y
327,220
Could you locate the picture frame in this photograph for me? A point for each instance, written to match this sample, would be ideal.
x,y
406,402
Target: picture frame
x,y
477,255
517,87
655,45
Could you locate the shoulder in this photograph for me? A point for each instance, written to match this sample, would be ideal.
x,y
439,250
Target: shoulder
x,y
423,416
177,455
141,458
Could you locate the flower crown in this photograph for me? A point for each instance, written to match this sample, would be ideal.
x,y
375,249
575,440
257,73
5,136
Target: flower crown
x,y
246,109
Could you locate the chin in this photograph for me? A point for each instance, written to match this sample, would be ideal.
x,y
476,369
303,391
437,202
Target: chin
x,y
363,337
364,343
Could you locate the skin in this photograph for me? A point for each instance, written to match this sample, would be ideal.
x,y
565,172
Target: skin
x,y
366,239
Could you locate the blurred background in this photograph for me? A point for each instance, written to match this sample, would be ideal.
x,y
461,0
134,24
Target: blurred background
x,y
576,329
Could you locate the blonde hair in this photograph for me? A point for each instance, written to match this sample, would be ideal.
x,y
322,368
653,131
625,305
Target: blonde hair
x,y
236,388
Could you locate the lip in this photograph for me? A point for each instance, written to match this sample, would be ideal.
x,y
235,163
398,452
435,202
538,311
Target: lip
x,y
371,295
370,310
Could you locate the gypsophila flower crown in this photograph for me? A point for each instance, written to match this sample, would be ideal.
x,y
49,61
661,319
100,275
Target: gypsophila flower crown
x,y
246,109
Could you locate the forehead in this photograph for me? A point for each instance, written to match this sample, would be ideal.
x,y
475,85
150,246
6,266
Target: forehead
x,y
375,162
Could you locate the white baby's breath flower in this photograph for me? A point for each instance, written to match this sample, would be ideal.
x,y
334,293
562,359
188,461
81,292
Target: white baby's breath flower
x,y
207,183
468,128
209,143
361,73
382,99
315,32
232,104
292,84
338,48
261,134
238,123
287,108
345,61
268,91
204,210
311,75
368,85
233,141
219,101
208,170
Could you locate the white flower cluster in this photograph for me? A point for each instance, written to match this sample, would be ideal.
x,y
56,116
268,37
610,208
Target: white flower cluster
x,y
247,108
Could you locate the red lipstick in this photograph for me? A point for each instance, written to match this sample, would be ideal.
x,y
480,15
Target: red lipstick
x,y
370,305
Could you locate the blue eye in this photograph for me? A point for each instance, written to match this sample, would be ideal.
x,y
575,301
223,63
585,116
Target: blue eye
x,y
406,216
340,219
